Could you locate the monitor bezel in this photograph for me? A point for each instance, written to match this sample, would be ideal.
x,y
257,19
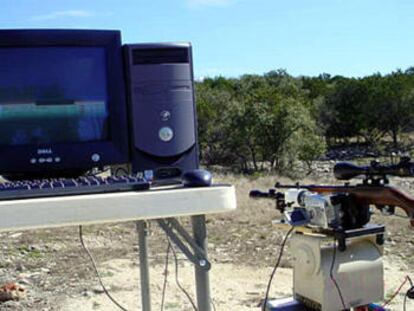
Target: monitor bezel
x,y
74,155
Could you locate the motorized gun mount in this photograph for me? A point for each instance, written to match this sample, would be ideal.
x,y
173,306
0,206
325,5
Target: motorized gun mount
x,y
348,205
336,217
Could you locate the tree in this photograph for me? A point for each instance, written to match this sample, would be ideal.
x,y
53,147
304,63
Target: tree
x,y
276,119
287,130
214,112
395,102
342,112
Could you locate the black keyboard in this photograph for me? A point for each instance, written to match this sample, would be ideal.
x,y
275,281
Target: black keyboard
x,y
61,186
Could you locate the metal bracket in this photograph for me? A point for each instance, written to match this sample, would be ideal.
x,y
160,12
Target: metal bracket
x,y
178,234
369,229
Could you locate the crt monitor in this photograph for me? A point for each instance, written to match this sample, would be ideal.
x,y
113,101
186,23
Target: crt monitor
x,y
62,102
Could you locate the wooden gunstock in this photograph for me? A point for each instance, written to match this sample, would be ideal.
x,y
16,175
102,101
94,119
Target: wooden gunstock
x,y
373,195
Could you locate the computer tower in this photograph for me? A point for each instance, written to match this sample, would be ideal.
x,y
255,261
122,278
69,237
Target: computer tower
x,y
163,125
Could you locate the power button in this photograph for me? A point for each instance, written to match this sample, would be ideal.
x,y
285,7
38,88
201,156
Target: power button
x,y
95,157
165,134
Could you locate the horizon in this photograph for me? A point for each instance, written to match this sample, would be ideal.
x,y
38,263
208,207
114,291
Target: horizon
x,y
332,75
231,38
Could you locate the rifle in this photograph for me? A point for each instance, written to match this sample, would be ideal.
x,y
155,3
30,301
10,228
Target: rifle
x,y
374,189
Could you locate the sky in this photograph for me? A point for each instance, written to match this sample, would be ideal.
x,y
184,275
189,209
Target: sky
x,y
233,37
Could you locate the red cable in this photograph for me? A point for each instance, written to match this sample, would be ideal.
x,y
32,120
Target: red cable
x,y
396,292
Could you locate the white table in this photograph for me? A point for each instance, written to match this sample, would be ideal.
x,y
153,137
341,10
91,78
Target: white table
x,y
160,204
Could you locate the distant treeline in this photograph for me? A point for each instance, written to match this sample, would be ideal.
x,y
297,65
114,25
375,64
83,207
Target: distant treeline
x,y
275,119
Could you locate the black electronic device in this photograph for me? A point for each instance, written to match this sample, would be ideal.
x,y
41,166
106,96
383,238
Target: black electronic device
x,y
197,178
62,102
25,189
160,92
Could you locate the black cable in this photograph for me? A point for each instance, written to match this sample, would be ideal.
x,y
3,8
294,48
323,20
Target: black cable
x,y
164,287
96,270
275,268
177,281
411,289
332,277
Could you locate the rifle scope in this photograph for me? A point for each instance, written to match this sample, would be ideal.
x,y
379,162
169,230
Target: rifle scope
x,y
346,171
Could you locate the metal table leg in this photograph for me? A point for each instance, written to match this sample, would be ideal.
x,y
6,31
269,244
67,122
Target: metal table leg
x,y
143,265
201,275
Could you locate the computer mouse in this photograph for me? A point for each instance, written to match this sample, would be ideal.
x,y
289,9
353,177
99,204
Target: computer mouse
x,y
197,178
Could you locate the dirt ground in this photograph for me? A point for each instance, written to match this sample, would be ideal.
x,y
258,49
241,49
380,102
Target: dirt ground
x,y
243,245
234,287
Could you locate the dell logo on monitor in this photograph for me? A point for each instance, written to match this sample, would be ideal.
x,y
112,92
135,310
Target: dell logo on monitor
x,y
44,151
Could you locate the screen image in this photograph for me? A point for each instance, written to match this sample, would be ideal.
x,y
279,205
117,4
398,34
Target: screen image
x,y
53,95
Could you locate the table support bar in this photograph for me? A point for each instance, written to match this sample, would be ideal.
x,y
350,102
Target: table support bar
x,y
183,240
201,275
143,264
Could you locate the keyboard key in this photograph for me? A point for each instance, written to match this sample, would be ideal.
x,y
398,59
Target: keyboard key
x,y
69,183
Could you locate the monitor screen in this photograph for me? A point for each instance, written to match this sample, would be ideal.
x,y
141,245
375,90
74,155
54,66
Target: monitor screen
x,y
62,102
52,95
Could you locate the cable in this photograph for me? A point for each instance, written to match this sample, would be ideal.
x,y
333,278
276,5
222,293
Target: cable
x,y
96,270
407,279
410,290
164,287
177,281
275,268
405,302
395,293
170,247
213,304
332,277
